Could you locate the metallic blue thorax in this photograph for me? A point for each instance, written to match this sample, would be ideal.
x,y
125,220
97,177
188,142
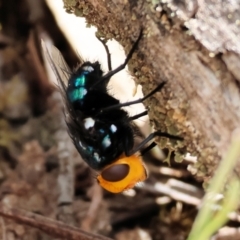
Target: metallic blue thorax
x,y
77,87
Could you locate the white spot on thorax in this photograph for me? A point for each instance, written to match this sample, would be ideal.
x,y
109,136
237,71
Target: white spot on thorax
x,y
96,157
88,68
113,128
84,91
106,141
88,123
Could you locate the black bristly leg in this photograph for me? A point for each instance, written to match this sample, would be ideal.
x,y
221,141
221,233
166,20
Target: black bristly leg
x,y
158,88
122,66
148,148
149,138
138,115
108,53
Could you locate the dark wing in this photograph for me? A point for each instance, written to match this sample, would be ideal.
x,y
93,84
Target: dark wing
x,y
58,65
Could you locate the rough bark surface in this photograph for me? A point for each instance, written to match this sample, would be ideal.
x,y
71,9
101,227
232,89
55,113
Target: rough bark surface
x,y
194,46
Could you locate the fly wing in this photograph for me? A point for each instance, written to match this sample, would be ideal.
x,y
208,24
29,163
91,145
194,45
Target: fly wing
x,y
58,65
63,74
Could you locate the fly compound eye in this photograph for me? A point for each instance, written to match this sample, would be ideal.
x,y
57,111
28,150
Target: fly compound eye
x,y
123,174
115,172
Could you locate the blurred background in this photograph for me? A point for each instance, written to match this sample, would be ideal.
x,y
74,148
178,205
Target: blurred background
x,y
40,170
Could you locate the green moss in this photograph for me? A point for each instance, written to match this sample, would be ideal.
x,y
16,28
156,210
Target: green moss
x,y
79,13
178,157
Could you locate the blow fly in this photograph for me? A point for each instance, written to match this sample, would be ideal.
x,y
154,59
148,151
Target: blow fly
x,y
102,132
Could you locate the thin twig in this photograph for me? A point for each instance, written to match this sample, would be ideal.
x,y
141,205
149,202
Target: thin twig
x,y
97,196
3,228
49,226
178,195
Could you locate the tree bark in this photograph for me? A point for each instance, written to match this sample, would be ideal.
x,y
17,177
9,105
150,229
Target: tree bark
x,y
195,47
